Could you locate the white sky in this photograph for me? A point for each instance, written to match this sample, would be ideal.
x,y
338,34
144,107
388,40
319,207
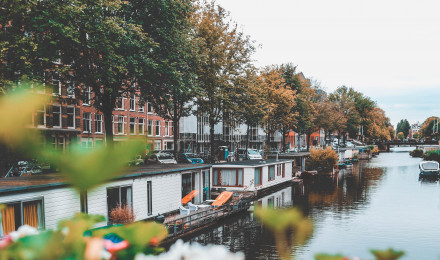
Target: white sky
x,y
386,49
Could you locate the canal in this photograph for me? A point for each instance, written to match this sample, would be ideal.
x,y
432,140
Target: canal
x,y
376,205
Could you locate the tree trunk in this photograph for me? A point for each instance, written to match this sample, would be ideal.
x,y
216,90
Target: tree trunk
x,y
308,141
211,140
108,127
175,129
283,141
247,137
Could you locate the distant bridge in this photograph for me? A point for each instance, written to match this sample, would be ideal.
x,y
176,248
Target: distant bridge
x,y
398,143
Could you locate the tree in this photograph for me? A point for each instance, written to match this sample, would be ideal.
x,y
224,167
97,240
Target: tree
x,y
225,54
98,43
400,136
280,101
403,126
416,135
171,25
429,128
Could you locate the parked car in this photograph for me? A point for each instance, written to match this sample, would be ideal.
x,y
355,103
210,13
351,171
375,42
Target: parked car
x,y
251,154
189,158
162,158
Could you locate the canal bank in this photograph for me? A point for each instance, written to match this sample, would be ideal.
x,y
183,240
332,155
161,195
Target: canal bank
x,y
380,204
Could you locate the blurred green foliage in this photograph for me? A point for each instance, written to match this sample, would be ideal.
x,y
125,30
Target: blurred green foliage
x,y
389,254
416,153
432,156
330,257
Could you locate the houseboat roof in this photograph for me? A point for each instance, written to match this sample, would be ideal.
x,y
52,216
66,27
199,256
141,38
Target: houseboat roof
x,y
289,155
252,163
55,180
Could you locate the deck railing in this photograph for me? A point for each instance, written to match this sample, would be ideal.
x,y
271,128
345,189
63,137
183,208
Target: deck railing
x,y
185,223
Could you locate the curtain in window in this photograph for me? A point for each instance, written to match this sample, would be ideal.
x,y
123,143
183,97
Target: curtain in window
x,y
1,226
129,197
257,177
8,219
240,177
229,177
30,214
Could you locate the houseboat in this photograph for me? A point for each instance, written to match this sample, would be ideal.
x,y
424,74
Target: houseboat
x,y
251,175
429,168
43,200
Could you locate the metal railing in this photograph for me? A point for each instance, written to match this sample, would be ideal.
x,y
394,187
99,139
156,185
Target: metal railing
x,y
201,217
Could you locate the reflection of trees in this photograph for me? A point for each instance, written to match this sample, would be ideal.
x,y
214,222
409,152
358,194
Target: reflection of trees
x,y
346,191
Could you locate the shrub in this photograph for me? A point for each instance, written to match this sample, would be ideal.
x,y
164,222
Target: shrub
x,y
432,156
122,215
322,160
375,150
416,153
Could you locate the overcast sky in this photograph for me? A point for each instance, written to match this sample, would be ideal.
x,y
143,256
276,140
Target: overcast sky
x,y
386,49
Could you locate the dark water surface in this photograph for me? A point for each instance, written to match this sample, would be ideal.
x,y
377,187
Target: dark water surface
x,y
380,204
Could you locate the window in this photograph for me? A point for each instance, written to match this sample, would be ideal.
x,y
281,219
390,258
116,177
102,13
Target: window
x,y
21,213
141,126
278,169
206,186
71,117
58,143
132,125
70,87
86,123
86,143
157,128
141,108
83,201
41,116
56,116
167,133
87,96
120,103
157,145
271,174
56,84
150,127
284,170
119,196
149,108
133,103
98,124
228,177
120,124
171,133
150,198
257,177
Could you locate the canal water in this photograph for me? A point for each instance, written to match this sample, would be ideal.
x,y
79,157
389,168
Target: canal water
x,y
375,205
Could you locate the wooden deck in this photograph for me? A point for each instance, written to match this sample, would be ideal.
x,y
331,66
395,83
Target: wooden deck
x,y
182,225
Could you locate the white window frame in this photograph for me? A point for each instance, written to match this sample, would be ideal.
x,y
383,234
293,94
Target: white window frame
x,y
73,119
141,126
133,124
167,131
149,108
98,122
155,145
89,123
44,117
150,126
157,127
87,95
122,103
59,83
121,122
59,116
39,198
133,103
141,108
71,95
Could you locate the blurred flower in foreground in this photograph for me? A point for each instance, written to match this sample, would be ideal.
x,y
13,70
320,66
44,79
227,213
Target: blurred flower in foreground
x,y
194,251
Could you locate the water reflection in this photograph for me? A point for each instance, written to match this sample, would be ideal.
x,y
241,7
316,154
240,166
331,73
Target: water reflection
x,y
377,204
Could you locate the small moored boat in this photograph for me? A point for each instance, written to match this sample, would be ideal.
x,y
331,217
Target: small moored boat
x,y
429,168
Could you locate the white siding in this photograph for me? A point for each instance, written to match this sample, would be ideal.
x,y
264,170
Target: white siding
x,y
59,203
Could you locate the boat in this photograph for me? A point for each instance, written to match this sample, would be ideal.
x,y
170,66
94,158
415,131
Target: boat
x,y
429,168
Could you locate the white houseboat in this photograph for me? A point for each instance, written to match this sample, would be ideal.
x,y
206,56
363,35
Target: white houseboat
x,y
42,201
429,168
251,175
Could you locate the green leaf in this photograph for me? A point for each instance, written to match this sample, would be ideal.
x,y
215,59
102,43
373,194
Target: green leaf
x,y
389,254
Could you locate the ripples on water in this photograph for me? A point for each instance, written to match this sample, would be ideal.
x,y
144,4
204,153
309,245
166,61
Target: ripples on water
x,y
379,204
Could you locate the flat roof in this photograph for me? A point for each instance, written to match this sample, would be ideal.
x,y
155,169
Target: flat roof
x,y
56,180
252,163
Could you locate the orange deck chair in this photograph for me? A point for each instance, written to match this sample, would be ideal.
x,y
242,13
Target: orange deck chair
x,y
222,198
189,196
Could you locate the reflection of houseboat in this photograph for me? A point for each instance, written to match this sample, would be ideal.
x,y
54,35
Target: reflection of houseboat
x,y
429,168
251,175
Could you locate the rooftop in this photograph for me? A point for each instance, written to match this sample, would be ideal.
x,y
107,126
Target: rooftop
x,y
44,181
253,163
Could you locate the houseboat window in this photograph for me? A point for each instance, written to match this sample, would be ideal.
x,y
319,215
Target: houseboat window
x,y
83,201
257,177
119,196
188,183
228,177
278,169
270,202
271,173
284,170
21,213
150,198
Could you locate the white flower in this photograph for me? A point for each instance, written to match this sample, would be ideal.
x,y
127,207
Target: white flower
x,y
194,251
22,231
